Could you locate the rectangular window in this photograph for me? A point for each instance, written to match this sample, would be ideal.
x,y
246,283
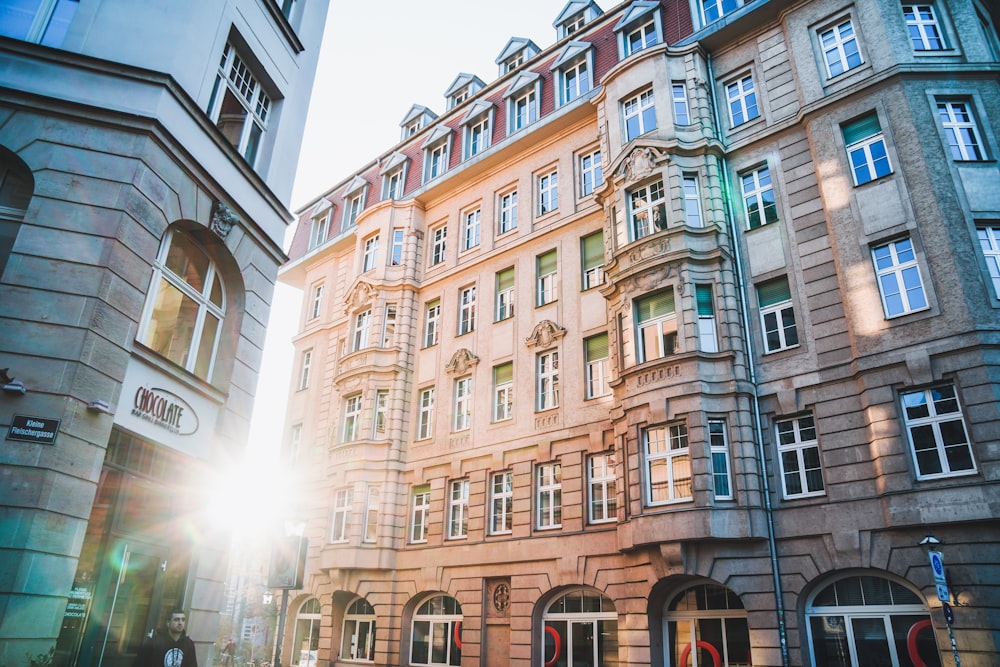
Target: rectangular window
x,y
899,281
713,10
352,418
439,244
592,256
602,497
722,485
668,464
639,114
425,419
657,326
381,412
392,185
319,231
524,109
742,98
467,310
692,202
304,365
647,210
463,404
316,304
798,450
548,380
840,48
432,315
549,496
546,271
937,432
470,229
866,149
362,330
508,212
758,198
503,392
294,443
419,511
389,325
641,37
342,499
708,341
777,316
372,507
960,128
396,251
595,352
922,24
477,136
239,107
575,80
678,90
501,502
548,193
353,209
505,294
591,175
371,254
458,509
435,160
989,242
44,22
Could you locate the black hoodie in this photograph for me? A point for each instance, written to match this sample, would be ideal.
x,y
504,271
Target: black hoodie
x,y
163,651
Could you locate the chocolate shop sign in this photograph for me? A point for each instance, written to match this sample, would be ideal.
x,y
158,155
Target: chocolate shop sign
x,y
164,409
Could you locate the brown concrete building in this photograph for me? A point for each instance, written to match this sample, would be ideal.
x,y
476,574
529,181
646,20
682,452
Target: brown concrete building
x,y
668,346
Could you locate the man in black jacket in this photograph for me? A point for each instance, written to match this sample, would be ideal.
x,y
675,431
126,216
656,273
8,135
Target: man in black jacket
x,y
170,649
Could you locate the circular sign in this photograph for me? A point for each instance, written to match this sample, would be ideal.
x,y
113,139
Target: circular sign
x,y
501,597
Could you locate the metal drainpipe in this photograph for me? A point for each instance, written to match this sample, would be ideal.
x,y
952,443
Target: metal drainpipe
x,y
747,341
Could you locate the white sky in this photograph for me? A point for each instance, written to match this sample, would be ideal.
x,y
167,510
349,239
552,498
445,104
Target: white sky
x,y
377,60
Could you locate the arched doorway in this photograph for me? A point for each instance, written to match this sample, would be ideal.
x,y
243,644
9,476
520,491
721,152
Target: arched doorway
x,y
580,628
705,625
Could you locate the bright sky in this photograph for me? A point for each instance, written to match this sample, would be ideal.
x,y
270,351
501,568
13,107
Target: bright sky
x,y
377,60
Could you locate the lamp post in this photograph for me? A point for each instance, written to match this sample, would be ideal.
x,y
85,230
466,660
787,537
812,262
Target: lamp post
x,y
930,545
281,627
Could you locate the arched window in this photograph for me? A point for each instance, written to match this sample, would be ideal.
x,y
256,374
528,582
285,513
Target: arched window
x,y
185,305
580,628
706,626
16,187
437,632
306,640
358,642
867,620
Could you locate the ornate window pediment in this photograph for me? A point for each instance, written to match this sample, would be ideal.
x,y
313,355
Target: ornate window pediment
x,y
461,362
361,294
639,164
545,334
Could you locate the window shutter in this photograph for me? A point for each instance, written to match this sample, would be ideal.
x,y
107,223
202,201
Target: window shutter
x,y
773,292
547,263
861,129
505,279
503,373
597,347
703,294
654,306
593,251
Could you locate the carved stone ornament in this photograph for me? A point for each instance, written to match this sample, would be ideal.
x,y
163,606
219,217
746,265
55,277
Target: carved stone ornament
x,y
223,219
461,362
362,293
639,164
544,334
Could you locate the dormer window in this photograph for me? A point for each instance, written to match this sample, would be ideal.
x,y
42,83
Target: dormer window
x,y
477,129
513,63
523,101
574,71
639,28
573,24
417,118
437,149
320,230
713,10
394,176
354,201
463,88
574,16
517,52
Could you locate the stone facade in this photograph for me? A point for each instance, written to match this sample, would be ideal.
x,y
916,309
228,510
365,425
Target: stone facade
x,y
773,382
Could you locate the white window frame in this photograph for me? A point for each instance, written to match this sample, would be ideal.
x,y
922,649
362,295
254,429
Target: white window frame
x,y
718,441
419,513
777,321
359,622
439,245
958,122
665,325
682,112
647,209
393,183
546,284
389,325
463,404
602,493
505,296
236,81
352,418
574,79
49,23
873,151
759,206
435,159
523,108
305,363
425,418
458,509
381,414
899,278
370,257
547,383
501,502
799,457
373,503
396,249
340,520
591,173
316,303
641,36
477,135
924,28
592,268
934,417
597,375
362,330
741,99
503,395
713,10
467,310
441,624
638,114
839,45
508,212
666,464
548,192
355,204
692,201
989,243
548,496
432,321
471,229
319,232
708,339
